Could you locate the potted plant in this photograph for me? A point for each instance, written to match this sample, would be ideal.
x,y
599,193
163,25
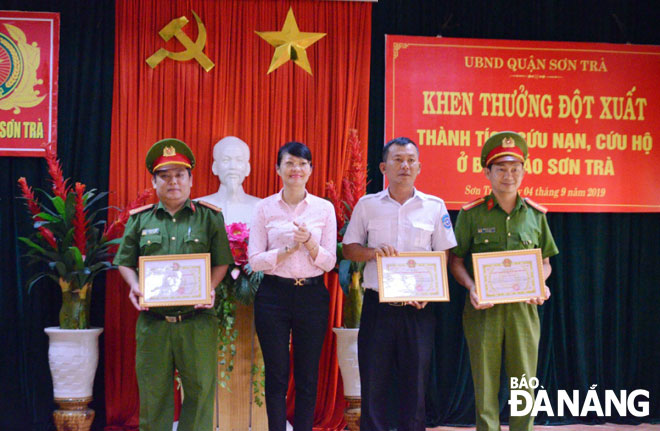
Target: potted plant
x,y
353,187
73,248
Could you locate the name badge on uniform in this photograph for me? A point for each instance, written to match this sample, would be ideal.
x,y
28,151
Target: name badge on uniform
x,y
150,231
486,230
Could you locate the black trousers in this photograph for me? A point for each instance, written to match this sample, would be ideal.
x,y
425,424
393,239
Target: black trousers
x,y
283,310
398,341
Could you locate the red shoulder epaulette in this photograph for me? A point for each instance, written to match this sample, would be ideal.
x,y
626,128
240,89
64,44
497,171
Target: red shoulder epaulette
x,y
536,206
140,209
211,206
472,204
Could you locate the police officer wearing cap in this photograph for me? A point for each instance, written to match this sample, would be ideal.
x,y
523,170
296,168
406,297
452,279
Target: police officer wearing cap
x,y
184,338
498,222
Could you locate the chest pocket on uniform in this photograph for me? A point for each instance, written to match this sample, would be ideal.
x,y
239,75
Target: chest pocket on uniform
x,y
422,234
151,244
484,242
527,240
196,242
379,231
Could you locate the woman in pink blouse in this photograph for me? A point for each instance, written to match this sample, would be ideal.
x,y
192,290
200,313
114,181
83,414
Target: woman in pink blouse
x,y
293,240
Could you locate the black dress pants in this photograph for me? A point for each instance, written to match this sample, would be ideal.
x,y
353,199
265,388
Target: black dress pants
x,y
394,340
283,309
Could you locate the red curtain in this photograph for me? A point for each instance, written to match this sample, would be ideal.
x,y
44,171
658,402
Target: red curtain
x,y
237,97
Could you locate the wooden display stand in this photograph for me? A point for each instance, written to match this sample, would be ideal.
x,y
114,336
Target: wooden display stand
x,y
235,408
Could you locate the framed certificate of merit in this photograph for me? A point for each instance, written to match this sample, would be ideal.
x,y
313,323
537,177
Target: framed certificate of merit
x,y
175,279
413,276
508,276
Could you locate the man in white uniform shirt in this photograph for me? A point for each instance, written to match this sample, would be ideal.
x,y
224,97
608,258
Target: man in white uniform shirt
x,y
395,338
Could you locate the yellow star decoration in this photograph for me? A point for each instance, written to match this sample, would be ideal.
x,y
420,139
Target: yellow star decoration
x,y
290,44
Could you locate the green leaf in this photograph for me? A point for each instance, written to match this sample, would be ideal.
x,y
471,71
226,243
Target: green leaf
x,y
95,198
100,265
34,279
59,205
48,217
344,275
68,239
61,268
32,245
246,287
340,251
70,207
255,280
77,256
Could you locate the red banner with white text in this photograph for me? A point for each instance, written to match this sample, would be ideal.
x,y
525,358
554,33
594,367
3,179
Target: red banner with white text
x,y
590,113
29,49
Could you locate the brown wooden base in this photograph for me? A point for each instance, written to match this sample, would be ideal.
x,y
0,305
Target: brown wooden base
x,y
73,414
353,412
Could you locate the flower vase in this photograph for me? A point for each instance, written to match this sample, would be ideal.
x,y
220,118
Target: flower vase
x,y
347,356
73,356
353,302
76,303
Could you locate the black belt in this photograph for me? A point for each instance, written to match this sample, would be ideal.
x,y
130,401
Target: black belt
x,y
393,304
311,281
173,318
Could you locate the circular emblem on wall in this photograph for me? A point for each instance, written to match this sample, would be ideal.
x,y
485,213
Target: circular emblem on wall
x,y
11,66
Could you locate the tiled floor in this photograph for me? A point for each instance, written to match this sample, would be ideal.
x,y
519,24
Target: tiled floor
x,y
605,427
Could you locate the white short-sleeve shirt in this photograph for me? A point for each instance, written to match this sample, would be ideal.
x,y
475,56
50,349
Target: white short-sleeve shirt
x,y
420,224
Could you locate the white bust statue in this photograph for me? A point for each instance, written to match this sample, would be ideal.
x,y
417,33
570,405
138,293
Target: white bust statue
x,y
231,163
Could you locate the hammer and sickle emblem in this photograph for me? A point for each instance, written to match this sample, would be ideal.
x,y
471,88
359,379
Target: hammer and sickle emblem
x,y
193,49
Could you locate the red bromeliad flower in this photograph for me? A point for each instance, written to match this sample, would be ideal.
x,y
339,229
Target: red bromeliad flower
x,y
356,172
28,195
35,209
353,185
80,222
60,187
116,228
333,195
48,236
348,194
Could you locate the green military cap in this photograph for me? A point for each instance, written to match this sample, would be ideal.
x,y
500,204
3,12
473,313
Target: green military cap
x,y
504,144
169,152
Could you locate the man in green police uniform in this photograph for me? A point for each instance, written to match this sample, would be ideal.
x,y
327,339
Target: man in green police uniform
x,y
169,337
498,222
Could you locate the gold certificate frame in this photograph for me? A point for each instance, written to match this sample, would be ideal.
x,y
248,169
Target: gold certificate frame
x,y
413,276
508,276
175,279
